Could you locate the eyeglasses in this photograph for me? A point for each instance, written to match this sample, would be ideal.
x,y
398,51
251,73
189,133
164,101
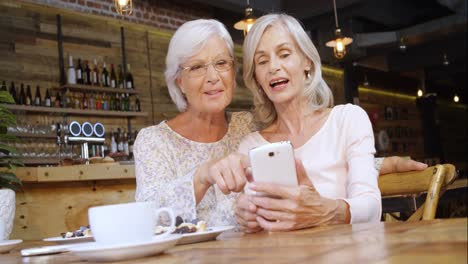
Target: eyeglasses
x,y
198,69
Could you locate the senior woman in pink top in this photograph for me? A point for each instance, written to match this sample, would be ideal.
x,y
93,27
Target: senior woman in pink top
x,y
333,145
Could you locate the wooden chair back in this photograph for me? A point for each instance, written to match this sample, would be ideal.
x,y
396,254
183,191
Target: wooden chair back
x,y
432,181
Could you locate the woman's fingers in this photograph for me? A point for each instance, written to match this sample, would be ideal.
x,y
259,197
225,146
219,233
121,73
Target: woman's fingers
x,y
274,204
245,215
275,215
228,173
239,176
275,225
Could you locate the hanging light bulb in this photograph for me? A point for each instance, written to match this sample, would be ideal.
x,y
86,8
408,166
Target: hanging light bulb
x,y
456,99
124,7
402,45
340,42
445,62
366,82
248,21
420,92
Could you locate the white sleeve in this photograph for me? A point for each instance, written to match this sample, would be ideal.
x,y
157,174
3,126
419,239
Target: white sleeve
x,y
364,197
157,180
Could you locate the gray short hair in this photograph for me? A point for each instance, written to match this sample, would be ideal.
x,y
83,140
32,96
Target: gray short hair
x,y
317,93
186,42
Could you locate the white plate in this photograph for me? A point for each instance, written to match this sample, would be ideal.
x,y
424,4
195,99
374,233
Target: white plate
x,y
210,234
94,251
8,245
61,240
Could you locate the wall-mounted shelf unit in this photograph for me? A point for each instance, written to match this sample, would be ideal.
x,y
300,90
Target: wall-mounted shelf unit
x,y
71,111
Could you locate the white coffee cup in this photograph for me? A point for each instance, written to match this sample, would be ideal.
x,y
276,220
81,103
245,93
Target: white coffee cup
x,y
2,229
126,223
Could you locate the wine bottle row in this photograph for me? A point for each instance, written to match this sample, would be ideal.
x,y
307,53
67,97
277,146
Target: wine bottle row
x,y
67,99
121,141
95,74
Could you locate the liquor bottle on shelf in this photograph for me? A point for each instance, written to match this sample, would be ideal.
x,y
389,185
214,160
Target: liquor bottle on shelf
x,y
105,76
125,102
104,102
129,78
112,102
87,74
76,101
47,98
125,143
58,100
113,143
29,100
71,71
92,102
37,98
119,140
117,104
121,79
3,87
113,77
98,102
79,73
137,105
84,102
95,74
22,96
13,92
68,100
130,145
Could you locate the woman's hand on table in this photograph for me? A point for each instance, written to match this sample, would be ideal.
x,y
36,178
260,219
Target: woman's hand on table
x,y
296,207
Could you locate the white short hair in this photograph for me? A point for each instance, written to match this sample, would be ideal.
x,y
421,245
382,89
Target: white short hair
x,y
316,91
187,41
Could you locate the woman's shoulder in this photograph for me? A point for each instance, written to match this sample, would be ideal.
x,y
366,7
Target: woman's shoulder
x,y
157,133
349,111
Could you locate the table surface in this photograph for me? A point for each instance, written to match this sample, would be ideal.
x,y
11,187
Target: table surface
x,y
435,241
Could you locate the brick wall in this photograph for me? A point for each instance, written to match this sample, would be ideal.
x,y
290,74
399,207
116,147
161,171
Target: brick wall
x,y
161,13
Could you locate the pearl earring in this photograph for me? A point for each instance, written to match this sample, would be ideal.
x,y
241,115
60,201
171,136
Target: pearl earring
x,y
307,72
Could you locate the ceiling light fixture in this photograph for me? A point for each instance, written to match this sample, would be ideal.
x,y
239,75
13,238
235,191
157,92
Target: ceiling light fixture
x,y
402,45
339,44
456,99
246,23
445,62
124,7
420,92
366,82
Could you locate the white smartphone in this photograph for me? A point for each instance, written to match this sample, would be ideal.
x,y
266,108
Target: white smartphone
x,y
274,163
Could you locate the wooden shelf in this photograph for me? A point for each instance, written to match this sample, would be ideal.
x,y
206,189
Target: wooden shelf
x,y
78,112
104,171
39,161
31,135
90,88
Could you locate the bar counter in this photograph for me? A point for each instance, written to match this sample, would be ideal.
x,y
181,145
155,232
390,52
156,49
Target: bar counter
x,y
56,199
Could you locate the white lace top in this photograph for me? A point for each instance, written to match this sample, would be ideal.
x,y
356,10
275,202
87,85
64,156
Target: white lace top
x,y
165,163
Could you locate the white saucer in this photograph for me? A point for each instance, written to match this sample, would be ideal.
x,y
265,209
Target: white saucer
x,y
61,240
210,234
8,245
94,251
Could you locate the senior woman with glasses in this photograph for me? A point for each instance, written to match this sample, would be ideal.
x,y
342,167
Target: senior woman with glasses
x,y
181,163
172,158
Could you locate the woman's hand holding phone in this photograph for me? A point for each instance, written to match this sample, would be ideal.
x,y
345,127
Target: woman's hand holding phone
x,y
295,208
